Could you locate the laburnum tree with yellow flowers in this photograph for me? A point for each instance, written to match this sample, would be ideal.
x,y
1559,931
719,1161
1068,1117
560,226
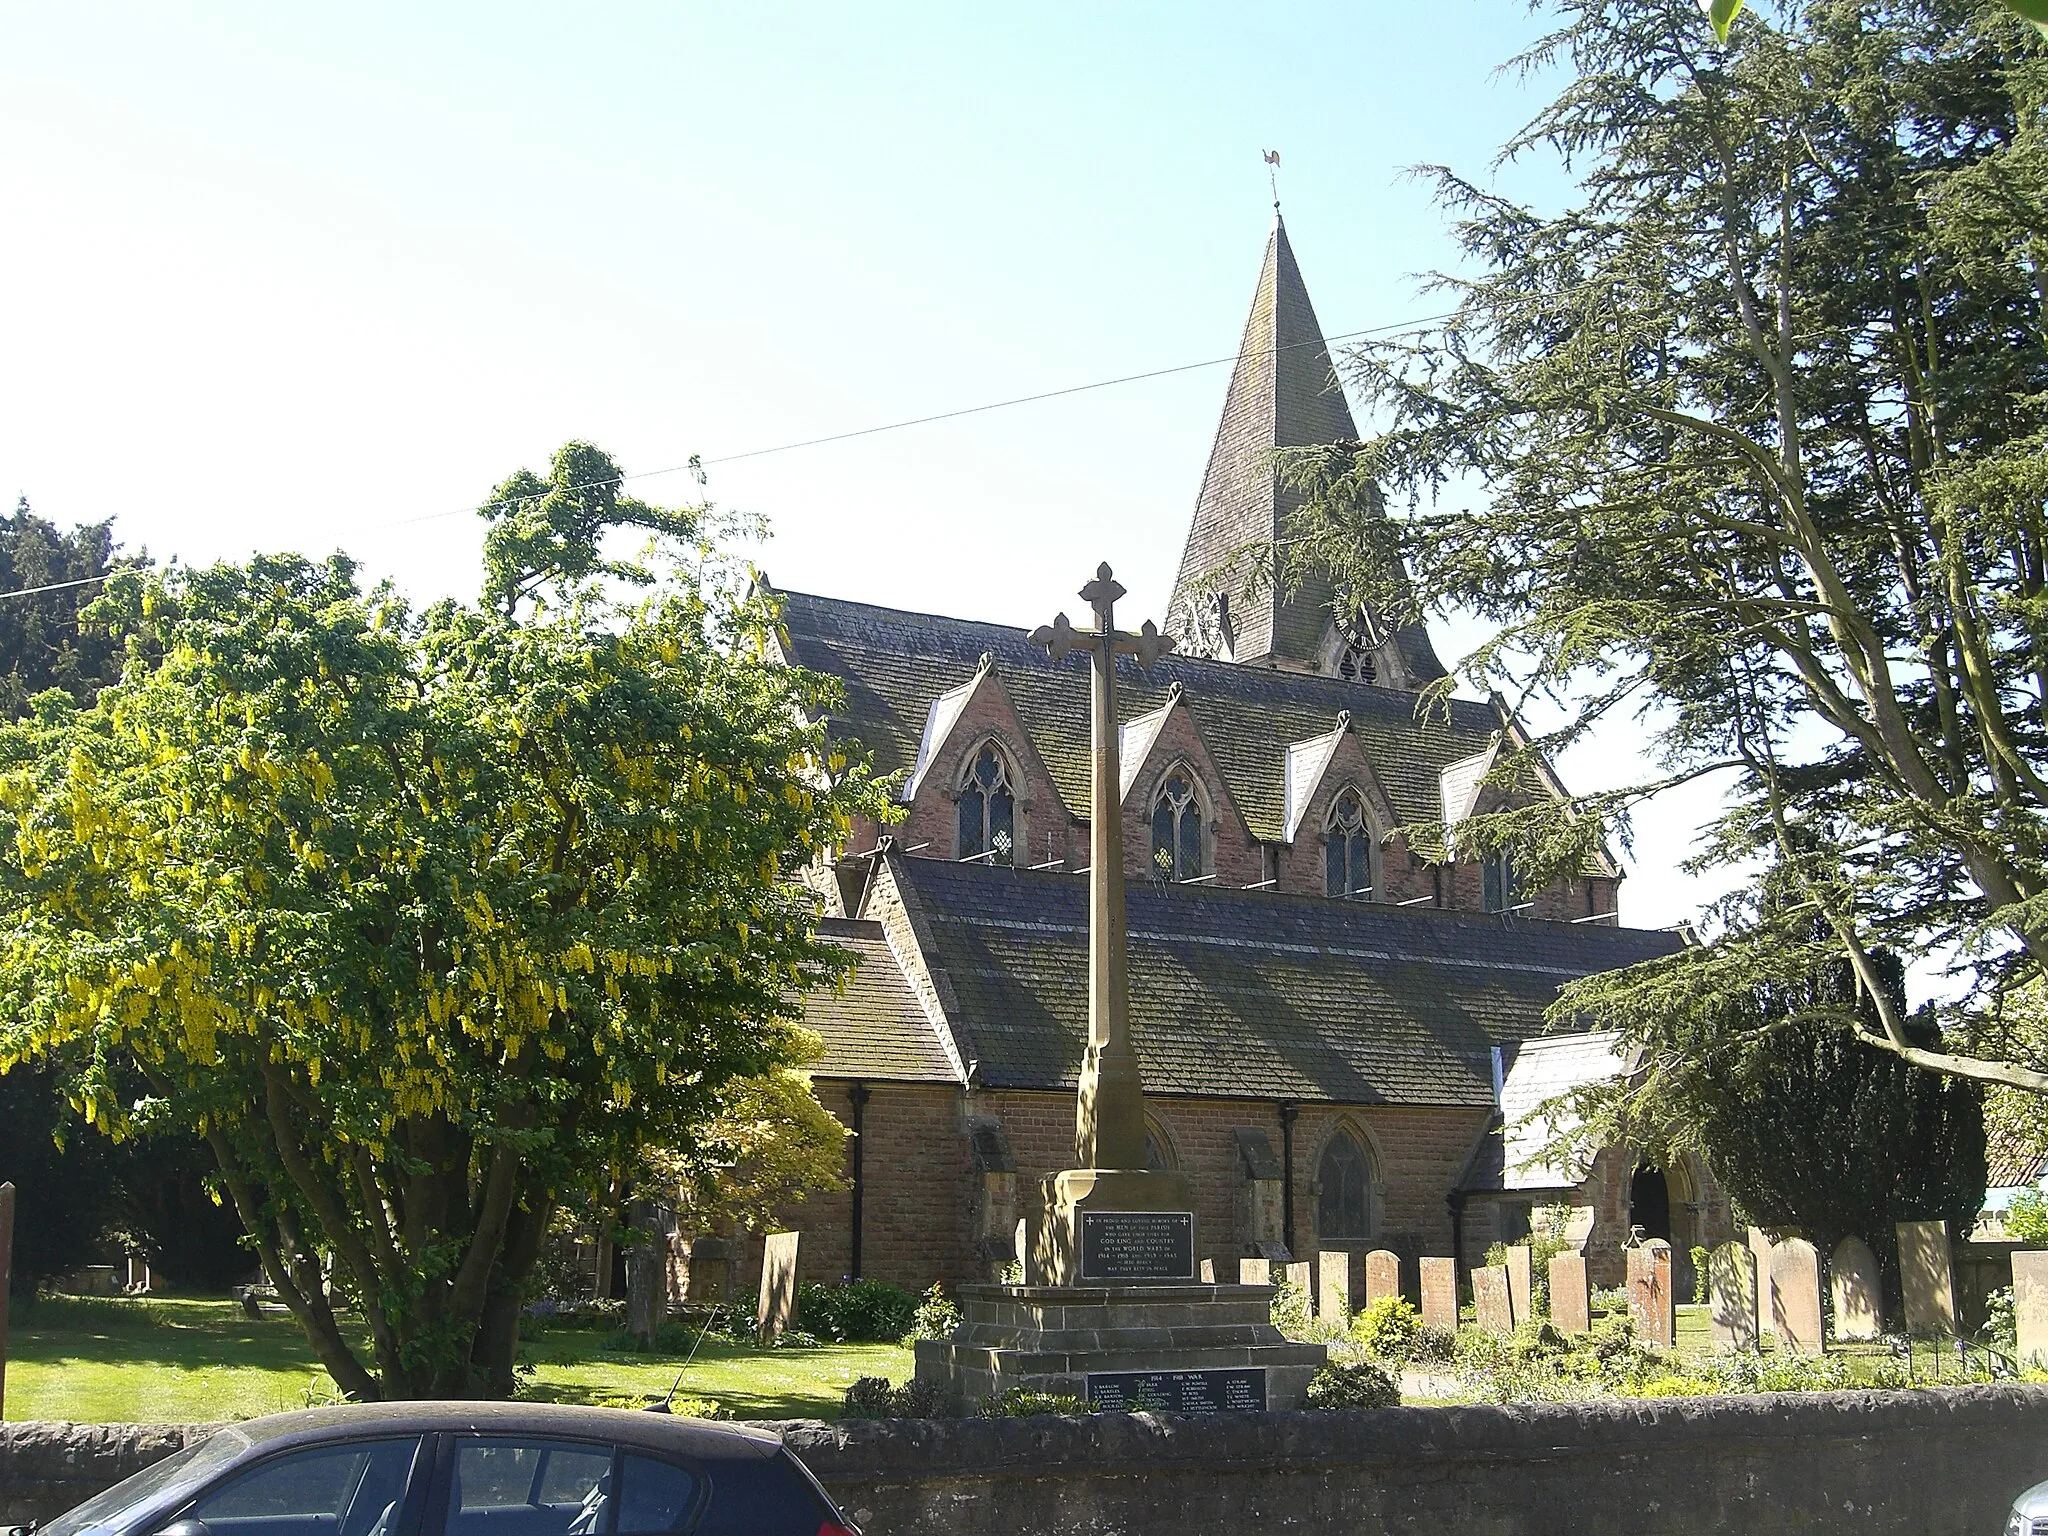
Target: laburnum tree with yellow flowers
x,y
422,919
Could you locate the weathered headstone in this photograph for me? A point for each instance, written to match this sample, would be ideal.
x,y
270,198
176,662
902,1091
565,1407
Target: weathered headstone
x,y
1858,1291
1208,1271
1731,1297
1440,1294
1650,1302
1795,1296
1254,1271
1766,1306
778,1284
2029,1305
1928,1279
1383,1275
1522,1281
1490,1298
1333,1286
1302,1277
1571,1299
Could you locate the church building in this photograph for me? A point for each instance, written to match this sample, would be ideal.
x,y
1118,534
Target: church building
x,y
1339,1037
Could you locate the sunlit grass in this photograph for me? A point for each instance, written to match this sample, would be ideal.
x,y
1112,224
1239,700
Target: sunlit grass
x,y
177,1360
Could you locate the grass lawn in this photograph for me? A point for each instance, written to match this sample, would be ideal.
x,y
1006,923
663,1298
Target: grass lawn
x,y
177,1360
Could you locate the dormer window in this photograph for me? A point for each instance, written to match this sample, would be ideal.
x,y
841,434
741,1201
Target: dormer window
x,y
1347,849
1177,829
988,810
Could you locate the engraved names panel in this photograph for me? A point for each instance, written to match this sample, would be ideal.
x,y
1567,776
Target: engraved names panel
x,y
1137,1245
1234,1390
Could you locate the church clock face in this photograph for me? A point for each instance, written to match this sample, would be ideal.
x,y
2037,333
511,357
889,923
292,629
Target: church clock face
x,y
1202,627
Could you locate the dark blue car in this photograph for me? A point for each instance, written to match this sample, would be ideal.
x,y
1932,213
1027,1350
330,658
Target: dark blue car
x,y
468,1469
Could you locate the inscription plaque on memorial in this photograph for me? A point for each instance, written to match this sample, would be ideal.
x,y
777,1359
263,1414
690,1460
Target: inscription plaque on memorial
x,y
1220,1391
1137,1245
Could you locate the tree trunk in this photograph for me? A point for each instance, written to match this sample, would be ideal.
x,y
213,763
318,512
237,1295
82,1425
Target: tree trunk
x,y
647,1273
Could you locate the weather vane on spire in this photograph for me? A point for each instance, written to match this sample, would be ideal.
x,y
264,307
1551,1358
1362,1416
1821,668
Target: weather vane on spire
x,y
1273,175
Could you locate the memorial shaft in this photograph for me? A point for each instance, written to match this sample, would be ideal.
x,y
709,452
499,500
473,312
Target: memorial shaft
x,y
1109,1129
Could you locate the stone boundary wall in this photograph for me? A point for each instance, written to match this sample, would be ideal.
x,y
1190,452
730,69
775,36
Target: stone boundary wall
x,y
1927,1462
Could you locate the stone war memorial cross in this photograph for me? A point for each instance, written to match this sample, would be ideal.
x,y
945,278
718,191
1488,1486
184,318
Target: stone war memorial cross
x,y
1111,1310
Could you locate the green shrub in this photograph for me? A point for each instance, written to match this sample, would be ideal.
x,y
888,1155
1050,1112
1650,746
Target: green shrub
x,y
1017,1403
2001,1322
935,1318
2026,1219
872,1397
1432,1346
1699,1275
1364,1385
1387,1328
1290,1310
856,1312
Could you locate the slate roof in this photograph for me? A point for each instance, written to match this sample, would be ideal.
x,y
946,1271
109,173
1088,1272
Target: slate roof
x,y
895,663
2014,1157
1284,393
1247,993
1533,1072
874,1027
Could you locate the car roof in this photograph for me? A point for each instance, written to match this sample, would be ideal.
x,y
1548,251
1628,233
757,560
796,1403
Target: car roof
x,y
699,1438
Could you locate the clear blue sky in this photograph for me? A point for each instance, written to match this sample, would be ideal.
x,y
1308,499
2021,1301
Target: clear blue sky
x,y
296,277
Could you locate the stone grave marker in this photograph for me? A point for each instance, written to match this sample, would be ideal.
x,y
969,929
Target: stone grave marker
x,y
1858,1292
1302,1275
1440,1294
1382,1274
778,1284
1731,1297
1208,1271
1928,1279
2029,1304
1650,1302
1522,1281
1571,1298
1795,1296
1254,1271
1333,1286
1766,1308
1490,1298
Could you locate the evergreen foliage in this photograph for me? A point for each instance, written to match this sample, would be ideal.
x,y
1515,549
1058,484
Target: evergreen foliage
x,y
1746,443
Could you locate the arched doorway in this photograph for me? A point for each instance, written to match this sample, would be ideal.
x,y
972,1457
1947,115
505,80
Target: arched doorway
x,y
1649,1203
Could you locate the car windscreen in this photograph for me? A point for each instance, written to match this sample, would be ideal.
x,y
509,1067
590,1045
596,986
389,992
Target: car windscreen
x,y
152,1485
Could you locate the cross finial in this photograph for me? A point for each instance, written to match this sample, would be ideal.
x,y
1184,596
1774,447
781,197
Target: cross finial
x,y
1059,637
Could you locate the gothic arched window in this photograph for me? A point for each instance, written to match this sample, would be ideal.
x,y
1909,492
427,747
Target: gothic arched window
x,y
1356,664
1497,883
988,810
1344,1191
1177,829
1347,850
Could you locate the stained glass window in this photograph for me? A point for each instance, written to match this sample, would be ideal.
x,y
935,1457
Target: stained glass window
x,y
1344,1192
1177,830
1347,851
988,810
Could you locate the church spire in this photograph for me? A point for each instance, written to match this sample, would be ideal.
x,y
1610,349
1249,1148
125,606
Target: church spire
x,y
1283,394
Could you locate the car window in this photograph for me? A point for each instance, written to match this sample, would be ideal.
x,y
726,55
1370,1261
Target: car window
x,y
169,1480
654,1496
770,1497
350,1489
529,1488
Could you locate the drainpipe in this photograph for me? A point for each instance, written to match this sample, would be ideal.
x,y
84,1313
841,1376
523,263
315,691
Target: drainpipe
x,y
1456,1201
1288,1111
857,1096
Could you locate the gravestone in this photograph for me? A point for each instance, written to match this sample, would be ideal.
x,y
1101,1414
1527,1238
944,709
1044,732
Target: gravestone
x,y
1766,1306
1208,1271
1650,1302
1929,1281
778,1285
1522,1282
1490,1298
1440,1294
1254,1271
1382,1275
1795,1296
1333,1286
1731,1297
2029,1305
1571,1299
1858,1292
1302,1277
